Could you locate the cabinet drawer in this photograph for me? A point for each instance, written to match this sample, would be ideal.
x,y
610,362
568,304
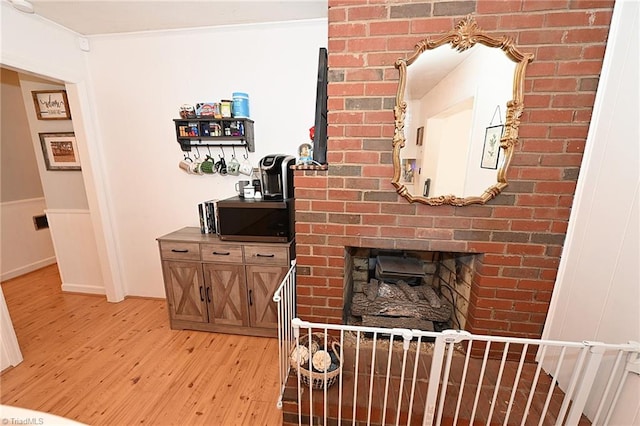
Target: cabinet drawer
x,y
179,251
227,253
266,255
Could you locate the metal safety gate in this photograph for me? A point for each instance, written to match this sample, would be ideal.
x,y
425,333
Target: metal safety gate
x,y
400,376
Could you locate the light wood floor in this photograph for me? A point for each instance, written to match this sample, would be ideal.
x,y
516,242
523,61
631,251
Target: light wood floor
x,y
104,363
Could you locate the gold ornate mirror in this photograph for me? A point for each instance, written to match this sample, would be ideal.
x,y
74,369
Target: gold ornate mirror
x,y
457,114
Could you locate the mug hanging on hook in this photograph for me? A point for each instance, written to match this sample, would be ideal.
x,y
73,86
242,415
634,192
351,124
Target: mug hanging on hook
x,y
221,164
246,168
208,166
197,166
186,163
234,165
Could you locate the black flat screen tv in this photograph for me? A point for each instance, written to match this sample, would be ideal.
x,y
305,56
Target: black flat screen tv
x,y
320,136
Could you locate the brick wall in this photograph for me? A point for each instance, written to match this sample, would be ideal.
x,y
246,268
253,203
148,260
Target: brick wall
x,y
520,233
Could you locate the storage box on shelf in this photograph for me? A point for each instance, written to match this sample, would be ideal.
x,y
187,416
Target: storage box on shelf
x,y
214,285
209,131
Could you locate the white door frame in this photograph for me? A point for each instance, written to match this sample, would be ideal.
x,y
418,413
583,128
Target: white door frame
x,y
10,354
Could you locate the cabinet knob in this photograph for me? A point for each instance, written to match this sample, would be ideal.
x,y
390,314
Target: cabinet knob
x,y
265,255
221,253
180,251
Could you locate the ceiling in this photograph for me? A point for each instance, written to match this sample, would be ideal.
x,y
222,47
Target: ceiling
x,y
90,17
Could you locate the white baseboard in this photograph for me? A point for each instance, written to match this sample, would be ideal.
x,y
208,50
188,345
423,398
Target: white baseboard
x,y
83,288
28,268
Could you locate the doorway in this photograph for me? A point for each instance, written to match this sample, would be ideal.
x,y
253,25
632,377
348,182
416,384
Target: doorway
x,y
443,161
61,192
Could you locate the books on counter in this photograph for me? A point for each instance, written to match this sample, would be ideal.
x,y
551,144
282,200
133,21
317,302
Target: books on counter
x,y
207,212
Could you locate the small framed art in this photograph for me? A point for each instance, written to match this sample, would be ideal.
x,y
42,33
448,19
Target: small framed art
x,y
419,136
60,151
51,105
491,148
408,169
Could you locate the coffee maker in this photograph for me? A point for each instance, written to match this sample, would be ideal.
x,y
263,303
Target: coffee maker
x,y
276,176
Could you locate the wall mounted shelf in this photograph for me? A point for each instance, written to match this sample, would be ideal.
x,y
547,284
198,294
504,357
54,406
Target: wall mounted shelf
x,y
209,131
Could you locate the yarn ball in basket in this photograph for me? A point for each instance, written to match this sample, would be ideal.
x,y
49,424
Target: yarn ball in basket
x,y
300,354
321,360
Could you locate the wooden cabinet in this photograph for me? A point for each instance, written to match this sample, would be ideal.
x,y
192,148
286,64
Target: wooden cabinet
x,y
227,296
265,268
213,285
185,290
262,282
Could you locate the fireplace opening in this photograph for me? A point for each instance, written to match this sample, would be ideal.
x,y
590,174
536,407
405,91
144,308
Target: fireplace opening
x,y
425,290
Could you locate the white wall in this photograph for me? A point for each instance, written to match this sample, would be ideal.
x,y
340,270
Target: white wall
x,y
597,292
139,82
76,250
23,249
19,178
62,188
33,44
450,146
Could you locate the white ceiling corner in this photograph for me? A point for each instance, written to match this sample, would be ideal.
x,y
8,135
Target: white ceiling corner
x,y
91,17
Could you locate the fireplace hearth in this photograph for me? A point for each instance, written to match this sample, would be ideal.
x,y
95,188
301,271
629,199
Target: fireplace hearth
x,y
407,289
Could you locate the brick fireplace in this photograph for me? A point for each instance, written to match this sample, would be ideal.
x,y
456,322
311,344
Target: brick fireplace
x,y
516,238
434,296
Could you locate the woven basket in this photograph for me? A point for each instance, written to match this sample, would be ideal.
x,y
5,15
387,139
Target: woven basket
x,y
318,379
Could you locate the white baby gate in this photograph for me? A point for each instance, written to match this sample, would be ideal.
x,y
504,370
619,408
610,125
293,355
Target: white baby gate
x,y
386,375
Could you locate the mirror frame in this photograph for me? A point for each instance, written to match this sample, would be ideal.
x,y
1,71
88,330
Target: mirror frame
x,y
464,36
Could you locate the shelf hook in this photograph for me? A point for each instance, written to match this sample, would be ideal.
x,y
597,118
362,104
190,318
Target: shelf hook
x,y
197,156
246,153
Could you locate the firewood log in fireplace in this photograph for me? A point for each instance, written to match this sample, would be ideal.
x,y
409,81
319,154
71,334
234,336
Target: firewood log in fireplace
x,y
393,307
372,289
431,296
408,291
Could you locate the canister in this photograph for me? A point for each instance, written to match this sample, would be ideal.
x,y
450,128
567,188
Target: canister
x,y
225,108
240,107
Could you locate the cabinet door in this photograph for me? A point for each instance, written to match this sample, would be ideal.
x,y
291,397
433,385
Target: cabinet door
x,y
226,294
262,282
185,290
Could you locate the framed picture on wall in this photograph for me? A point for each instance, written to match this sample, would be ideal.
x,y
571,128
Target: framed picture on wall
x,y
491,148
408,169
51,105
60,151
419,136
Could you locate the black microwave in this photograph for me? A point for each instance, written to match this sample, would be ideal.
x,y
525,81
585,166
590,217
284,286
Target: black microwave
x,y
249,220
